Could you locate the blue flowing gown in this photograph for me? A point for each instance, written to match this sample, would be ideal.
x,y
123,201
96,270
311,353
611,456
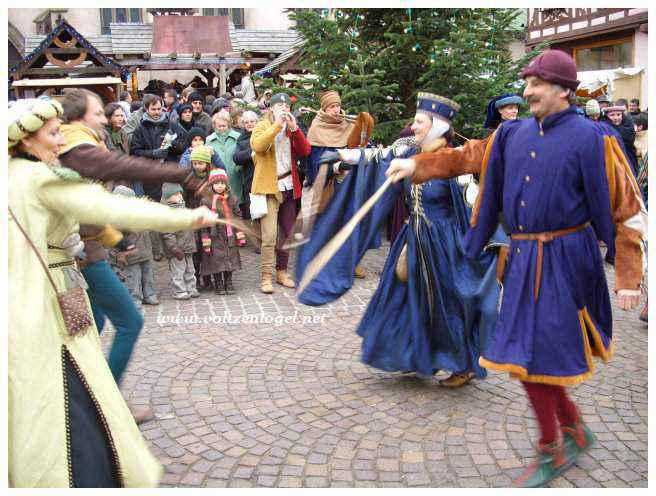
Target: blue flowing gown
x,y
441,317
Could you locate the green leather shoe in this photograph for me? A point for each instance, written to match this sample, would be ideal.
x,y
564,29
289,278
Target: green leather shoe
x,y
552,462
577,438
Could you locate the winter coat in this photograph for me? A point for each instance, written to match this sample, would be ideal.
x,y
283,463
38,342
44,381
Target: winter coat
x,y
117,140
265,177
627,130
143,250
224,255
146,142
203,121
133,122
180,143
243,157
225,145
40,351
180,240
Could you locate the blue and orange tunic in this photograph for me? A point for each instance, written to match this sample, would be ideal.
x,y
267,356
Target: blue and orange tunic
x,y
561,185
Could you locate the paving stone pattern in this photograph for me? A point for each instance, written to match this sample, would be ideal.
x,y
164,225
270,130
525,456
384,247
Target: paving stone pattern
x,y
290,405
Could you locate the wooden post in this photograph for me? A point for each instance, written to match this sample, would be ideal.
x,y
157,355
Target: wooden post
x,y
222,79
135,82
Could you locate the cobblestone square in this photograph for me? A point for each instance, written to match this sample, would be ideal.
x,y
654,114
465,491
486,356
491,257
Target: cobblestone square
x,y
289,404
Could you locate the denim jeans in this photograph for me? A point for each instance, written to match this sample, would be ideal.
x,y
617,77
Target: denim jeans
x,y
110,299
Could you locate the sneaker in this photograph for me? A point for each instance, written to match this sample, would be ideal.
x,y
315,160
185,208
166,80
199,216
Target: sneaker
x,y
151,300
644,315
194,294
181,296
552,462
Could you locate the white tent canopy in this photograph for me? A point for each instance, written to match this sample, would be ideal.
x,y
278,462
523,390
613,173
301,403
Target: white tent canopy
x,y
592,81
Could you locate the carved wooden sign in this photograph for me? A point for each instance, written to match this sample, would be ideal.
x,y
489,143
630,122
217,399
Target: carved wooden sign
x,y
67,64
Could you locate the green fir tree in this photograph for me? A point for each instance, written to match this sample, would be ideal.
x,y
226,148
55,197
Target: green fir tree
x,y
379,59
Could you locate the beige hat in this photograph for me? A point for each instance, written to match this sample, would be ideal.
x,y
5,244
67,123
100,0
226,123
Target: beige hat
x,y
328,98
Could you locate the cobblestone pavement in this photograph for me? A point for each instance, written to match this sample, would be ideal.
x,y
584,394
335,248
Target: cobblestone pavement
x,y
257,404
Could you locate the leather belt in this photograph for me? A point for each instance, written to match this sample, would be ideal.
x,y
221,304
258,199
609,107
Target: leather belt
x,y
61,264
283,176
542,238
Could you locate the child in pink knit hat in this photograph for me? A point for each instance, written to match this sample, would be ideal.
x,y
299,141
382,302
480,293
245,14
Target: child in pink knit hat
x,y
220,256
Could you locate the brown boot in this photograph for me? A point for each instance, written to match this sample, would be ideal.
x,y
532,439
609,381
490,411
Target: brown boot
x,y
360,273
267,284
283,279
457,380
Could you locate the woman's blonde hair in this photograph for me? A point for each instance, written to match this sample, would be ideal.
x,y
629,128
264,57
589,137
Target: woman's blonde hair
x,y
26,117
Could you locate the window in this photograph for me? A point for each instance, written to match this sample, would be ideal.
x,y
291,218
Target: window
x,y
236,15
604,55
108,16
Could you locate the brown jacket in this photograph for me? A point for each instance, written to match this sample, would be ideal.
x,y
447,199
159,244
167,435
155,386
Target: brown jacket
x,y
95,163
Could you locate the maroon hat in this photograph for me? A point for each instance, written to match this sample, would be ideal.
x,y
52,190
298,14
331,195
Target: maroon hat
x,y
554,66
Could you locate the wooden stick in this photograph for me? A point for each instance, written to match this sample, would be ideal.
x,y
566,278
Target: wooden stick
x,y
329,250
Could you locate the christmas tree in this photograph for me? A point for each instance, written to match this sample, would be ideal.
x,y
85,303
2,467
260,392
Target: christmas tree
x,y
378,59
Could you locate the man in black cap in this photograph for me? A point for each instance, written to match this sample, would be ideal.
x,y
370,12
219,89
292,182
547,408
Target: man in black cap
x,y
604,102
201,119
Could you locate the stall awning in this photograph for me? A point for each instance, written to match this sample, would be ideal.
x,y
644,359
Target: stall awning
x,y
40,83
282,58
595,83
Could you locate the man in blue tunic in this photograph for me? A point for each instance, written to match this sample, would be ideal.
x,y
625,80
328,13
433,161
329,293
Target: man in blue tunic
x,y
562,183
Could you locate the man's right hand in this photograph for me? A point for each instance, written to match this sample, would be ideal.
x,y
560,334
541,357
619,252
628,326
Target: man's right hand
x,y
280,119
179,254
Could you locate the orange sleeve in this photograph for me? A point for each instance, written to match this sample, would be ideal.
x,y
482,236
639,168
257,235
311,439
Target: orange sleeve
x,y
627,208
446,163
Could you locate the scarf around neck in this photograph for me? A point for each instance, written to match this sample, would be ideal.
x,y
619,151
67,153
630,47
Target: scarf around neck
x,y
330,130
76,134
227,212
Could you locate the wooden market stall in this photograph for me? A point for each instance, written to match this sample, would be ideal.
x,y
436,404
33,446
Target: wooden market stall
x,y
65,59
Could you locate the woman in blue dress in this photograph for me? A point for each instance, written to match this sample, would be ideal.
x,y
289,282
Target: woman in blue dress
x,y
433,307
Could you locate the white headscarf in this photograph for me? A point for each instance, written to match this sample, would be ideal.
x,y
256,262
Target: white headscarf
x,y
438,129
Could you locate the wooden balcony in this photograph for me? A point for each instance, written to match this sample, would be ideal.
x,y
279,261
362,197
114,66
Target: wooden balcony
x,y
560,24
